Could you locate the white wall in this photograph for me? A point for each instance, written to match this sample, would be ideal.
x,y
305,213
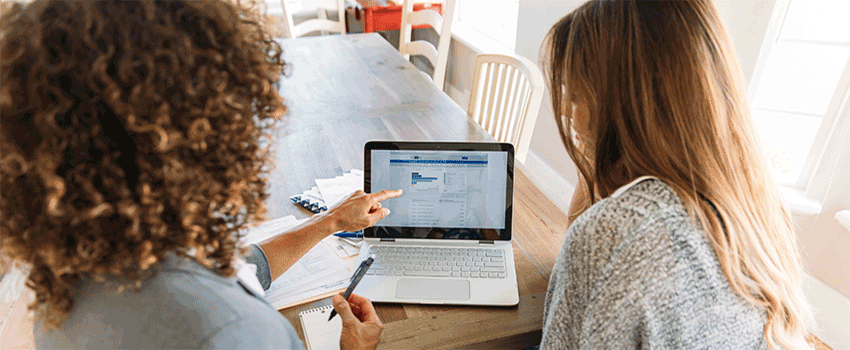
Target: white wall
x,y
746,20
536,17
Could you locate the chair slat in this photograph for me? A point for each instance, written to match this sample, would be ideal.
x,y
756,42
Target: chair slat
x,y
313,25
482,119
523,98
429,17
497,81
474,109
437,56
505,97
511,108
421,47
521,87
504,113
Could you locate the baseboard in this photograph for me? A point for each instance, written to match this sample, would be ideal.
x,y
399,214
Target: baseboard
x,y
552,184
832,313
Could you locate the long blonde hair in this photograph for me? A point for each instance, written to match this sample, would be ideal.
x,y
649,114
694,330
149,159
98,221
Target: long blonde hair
x,y
666,98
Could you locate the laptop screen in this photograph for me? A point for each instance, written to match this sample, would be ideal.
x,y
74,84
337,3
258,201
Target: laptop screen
x,y
448,194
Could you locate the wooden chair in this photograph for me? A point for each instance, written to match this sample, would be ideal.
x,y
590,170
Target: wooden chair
x,y
322,23
437,56
505,98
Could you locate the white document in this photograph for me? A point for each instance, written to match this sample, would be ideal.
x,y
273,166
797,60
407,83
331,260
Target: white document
x,y
342,248
336,189
269,229
282,300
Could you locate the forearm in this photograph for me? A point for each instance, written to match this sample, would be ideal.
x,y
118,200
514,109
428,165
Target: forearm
x,y
358,211
285,249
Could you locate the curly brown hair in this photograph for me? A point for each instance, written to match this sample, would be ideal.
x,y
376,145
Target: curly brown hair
x,y
129,130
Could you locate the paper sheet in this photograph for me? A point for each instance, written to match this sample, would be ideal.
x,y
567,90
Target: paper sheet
x,y
317,272
269,229
342,248
336,189
319,333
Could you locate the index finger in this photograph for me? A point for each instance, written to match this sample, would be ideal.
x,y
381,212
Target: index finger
x,y
366,307
385,194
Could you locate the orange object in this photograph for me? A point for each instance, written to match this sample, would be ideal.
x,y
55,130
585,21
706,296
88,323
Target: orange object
x,y
386,14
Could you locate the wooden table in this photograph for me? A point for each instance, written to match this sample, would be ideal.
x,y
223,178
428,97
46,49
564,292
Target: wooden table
x,y
346,90
342,92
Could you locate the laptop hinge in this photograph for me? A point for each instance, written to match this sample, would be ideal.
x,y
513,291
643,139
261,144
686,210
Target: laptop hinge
x,y
486,241
387,239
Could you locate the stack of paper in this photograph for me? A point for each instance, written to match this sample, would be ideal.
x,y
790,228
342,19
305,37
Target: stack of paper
x,y
327,193
318,272
336,189
269,229
310,199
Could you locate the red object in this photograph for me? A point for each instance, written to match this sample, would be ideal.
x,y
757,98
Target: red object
x,y
386,15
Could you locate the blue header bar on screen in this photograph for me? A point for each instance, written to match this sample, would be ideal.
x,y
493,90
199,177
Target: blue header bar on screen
x,y
436,161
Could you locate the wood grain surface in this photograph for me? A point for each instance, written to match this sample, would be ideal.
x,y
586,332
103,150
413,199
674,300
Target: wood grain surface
x,y
346,90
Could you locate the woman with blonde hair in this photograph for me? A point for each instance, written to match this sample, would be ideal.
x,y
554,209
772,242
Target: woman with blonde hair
x,y
680,239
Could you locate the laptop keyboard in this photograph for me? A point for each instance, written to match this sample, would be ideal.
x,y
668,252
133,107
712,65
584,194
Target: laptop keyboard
x,y
437,262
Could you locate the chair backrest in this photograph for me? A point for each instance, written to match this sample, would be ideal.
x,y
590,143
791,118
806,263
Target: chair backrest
x,y
442,24
505,98
322,23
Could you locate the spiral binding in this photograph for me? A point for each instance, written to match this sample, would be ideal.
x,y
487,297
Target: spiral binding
x,y
321,308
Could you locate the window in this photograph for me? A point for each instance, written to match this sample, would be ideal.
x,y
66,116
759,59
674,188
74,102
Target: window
x,y
495,19
800,85
799,93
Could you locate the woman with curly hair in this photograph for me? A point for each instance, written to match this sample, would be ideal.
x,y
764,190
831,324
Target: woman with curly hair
x,y
131,154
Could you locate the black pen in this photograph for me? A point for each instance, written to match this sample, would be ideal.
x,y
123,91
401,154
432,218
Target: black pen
x,y
358,275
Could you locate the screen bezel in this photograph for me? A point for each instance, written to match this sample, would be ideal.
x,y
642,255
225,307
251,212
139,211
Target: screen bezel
x,y
503,234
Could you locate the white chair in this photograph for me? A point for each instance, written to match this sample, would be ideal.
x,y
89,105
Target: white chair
x,y
505,98
322,23
442,24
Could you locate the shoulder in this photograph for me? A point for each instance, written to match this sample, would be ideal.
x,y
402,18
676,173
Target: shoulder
x,y
631,215
641,199
644,228
634,266
183,306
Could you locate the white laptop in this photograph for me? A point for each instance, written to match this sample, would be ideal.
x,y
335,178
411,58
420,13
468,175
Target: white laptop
x,y
448,237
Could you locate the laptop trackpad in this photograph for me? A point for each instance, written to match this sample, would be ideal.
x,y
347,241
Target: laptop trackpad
x,y
424,288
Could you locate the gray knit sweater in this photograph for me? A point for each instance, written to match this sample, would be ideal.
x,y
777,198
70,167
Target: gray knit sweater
x,y
634,273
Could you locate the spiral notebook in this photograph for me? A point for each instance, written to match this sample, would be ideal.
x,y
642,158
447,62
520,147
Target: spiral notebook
x,y
319,333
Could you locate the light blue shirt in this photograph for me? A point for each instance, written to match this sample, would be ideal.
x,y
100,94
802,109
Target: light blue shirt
x,y
185,305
